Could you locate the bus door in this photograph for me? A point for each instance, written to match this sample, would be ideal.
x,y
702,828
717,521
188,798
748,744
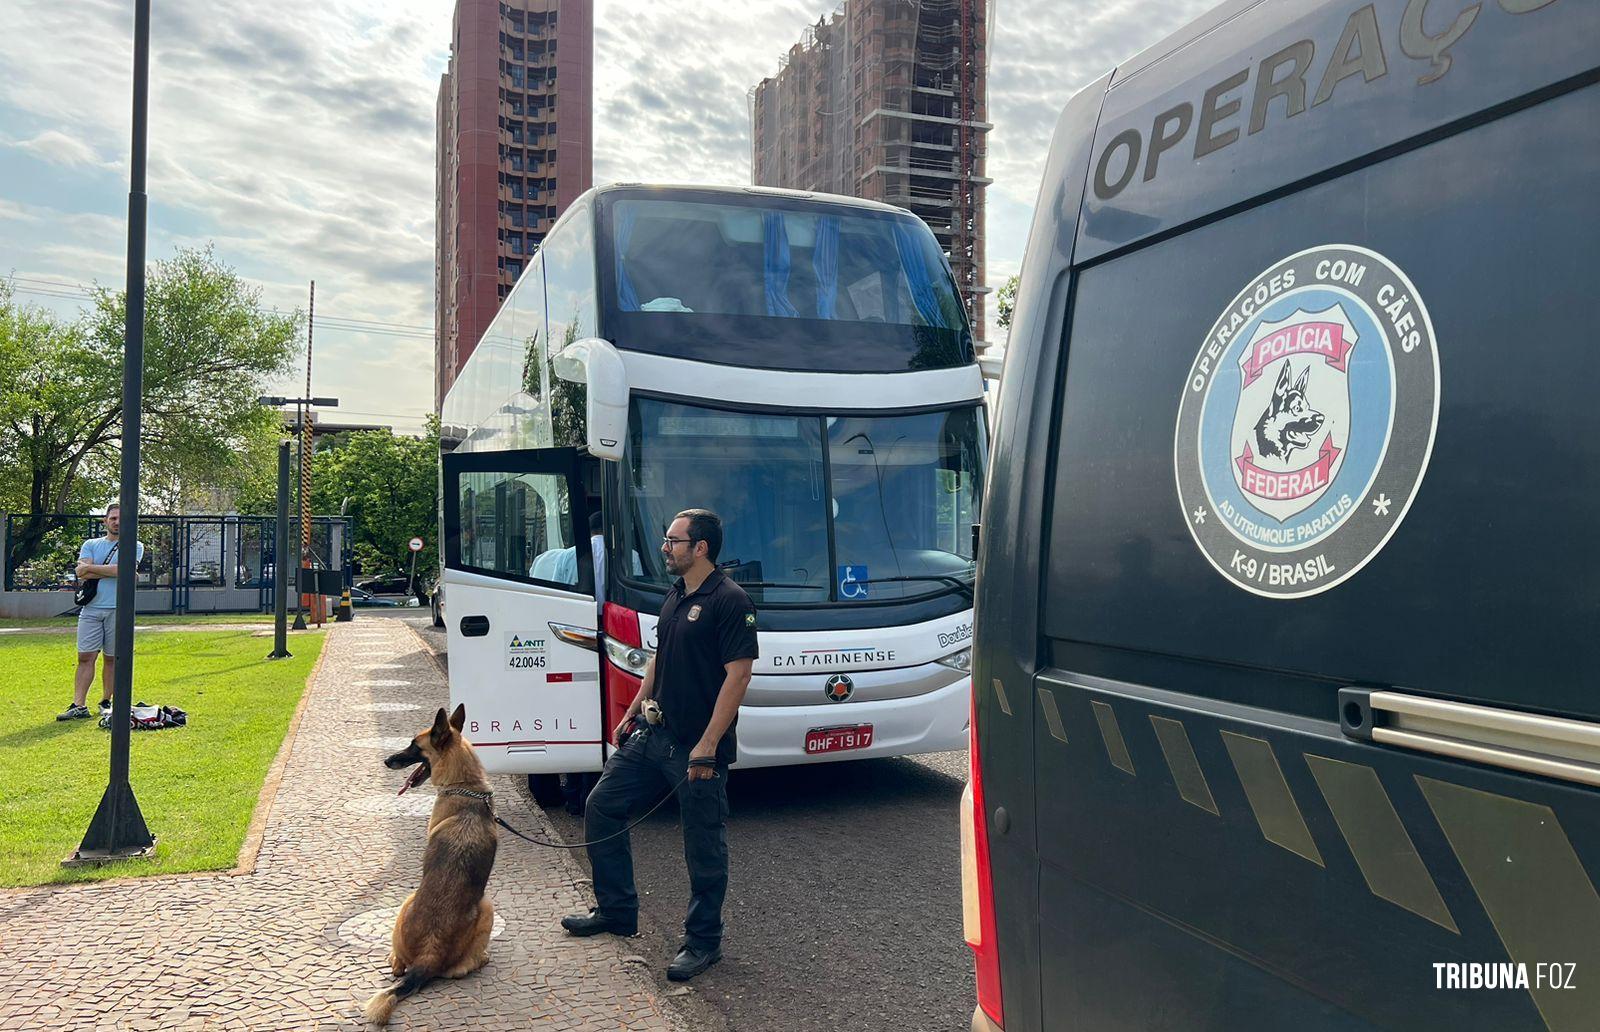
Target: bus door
x,y
522,639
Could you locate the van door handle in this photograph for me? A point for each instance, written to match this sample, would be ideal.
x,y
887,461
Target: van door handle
x,y
474,626
1554,747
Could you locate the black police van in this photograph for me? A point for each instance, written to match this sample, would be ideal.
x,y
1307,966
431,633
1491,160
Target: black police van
x,y
1287,684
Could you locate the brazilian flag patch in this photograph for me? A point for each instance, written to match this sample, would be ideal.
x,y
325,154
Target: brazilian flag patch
x,y
749,619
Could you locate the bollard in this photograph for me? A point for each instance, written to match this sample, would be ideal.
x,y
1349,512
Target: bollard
x,y
345,614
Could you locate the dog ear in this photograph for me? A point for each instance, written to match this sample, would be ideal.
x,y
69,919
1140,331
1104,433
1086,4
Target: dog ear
x,y
1300,384
441,728
458,719
1282,387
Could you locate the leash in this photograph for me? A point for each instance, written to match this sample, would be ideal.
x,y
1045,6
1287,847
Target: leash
x,y
655,720
484,797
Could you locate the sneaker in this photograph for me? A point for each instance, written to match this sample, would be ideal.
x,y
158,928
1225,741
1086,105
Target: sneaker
x,y
105,706
74,712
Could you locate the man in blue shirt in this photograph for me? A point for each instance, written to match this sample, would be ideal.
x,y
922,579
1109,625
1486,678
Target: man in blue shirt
x,y
97,620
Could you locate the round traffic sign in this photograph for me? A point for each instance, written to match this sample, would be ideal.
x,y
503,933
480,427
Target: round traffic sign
x,y
416,544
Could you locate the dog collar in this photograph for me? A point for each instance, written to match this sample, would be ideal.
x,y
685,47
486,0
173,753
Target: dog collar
x,y
482,797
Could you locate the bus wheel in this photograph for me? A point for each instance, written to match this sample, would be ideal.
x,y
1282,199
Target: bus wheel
x,y
546,789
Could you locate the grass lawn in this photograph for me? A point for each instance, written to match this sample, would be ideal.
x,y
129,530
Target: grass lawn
x,y
146,619
196,785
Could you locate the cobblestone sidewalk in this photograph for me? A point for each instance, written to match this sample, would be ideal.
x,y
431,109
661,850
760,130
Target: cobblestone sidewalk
x,y
299,941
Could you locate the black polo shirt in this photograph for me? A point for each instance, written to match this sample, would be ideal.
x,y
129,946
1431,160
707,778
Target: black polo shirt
x,y
698,633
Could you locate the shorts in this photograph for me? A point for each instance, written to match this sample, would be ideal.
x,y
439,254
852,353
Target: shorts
x,y
97,630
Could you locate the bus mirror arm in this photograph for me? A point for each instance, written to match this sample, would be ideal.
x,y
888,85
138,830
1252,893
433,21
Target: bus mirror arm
x,y
595,363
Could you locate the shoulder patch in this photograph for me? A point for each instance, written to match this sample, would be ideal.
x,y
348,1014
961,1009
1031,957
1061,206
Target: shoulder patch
x,y
749,619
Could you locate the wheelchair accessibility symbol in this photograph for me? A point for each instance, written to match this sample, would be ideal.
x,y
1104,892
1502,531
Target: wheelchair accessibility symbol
x,y
853,582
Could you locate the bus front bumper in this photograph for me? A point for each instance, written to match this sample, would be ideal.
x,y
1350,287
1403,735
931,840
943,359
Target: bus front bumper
x,y
771,736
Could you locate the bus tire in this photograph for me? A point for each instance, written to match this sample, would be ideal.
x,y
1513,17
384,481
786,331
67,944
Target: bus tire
x,y
546,789
438,611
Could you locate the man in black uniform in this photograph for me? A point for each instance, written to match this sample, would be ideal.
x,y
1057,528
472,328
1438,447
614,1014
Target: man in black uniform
x,y
706,641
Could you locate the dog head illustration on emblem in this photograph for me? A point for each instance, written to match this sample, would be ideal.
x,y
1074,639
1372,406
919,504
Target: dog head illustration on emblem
x,y
1289,421
1292,414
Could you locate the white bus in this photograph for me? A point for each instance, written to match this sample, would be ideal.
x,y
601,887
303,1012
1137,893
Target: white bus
x,y
800,364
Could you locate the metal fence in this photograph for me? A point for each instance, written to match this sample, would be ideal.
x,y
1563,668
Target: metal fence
x,y
192,563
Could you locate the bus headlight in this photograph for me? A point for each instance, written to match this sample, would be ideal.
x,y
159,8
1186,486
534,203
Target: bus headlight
x,y
961,661
631,658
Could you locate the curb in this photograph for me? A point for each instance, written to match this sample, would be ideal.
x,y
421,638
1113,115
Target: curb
x,y
256,832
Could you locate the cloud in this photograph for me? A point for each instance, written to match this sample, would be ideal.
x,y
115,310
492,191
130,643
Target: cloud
x,y
300,136
13,212
58,148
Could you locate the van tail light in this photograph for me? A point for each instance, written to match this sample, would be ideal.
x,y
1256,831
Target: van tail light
x,y
627,657
977,882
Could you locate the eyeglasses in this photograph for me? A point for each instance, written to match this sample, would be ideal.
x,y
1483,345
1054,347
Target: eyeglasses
x,y
672,542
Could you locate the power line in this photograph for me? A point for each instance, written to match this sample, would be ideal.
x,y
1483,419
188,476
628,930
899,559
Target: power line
x,y
74,291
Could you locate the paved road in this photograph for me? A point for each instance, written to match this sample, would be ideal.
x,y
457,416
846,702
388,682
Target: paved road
x,y
844,908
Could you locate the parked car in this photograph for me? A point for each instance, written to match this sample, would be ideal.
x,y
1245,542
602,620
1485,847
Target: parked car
x,y
388,584
438,604
362,597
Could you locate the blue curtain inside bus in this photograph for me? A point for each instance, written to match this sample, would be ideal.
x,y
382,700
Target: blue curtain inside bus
x,y
912,262
825,263
627,297
775,265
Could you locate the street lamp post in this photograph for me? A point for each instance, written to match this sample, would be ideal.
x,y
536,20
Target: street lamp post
x,y
117,830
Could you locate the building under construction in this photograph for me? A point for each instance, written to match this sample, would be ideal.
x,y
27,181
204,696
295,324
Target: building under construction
x,y
888,100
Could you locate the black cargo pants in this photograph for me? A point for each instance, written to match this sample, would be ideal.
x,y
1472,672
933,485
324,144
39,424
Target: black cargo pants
x,y
635,778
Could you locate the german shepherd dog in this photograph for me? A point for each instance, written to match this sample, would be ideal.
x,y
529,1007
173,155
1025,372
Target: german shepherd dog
x,y
443,928
1289,421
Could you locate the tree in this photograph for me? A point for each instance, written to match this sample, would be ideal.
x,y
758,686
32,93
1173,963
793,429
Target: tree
x,y
210,348
392,485
1006,302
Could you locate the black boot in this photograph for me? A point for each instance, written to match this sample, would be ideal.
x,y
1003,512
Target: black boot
x,y
594,923
690,962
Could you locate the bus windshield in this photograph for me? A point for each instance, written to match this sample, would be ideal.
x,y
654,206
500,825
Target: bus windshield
x,y
816,510
765,281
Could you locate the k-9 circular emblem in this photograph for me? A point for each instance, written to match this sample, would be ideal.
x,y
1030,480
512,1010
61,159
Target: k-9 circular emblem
x,y
1307,421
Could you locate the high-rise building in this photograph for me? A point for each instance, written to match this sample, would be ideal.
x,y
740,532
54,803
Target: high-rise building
x,y
887,99
515,148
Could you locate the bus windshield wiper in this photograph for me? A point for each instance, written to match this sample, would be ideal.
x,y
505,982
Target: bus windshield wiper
x,y
965,587
772,584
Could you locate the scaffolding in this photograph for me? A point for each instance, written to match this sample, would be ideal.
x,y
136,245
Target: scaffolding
x,y
887,100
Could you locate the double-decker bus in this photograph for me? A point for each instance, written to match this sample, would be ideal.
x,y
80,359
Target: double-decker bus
x,y
802,365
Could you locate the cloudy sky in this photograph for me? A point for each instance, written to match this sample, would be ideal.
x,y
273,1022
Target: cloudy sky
x,y
298,137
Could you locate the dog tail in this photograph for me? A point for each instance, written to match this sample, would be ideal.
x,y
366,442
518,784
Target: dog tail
x,y
381,1006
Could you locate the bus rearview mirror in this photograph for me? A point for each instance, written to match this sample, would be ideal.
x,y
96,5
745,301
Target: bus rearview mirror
x,y
594,363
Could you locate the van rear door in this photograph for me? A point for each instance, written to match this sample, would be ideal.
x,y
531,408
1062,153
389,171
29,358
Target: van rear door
x,y
522,619
1338,438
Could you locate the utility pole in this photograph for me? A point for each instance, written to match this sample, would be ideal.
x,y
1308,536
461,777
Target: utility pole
x,y
302,409
303,428
118,830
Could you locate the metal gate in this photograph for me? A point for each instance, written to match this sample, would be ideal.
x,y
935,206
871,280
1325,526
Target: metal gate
x,y
193,563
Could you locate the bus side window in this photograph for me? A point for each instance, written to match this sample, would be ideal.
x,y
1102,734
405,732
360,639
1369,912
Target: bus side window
x,y
571,304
